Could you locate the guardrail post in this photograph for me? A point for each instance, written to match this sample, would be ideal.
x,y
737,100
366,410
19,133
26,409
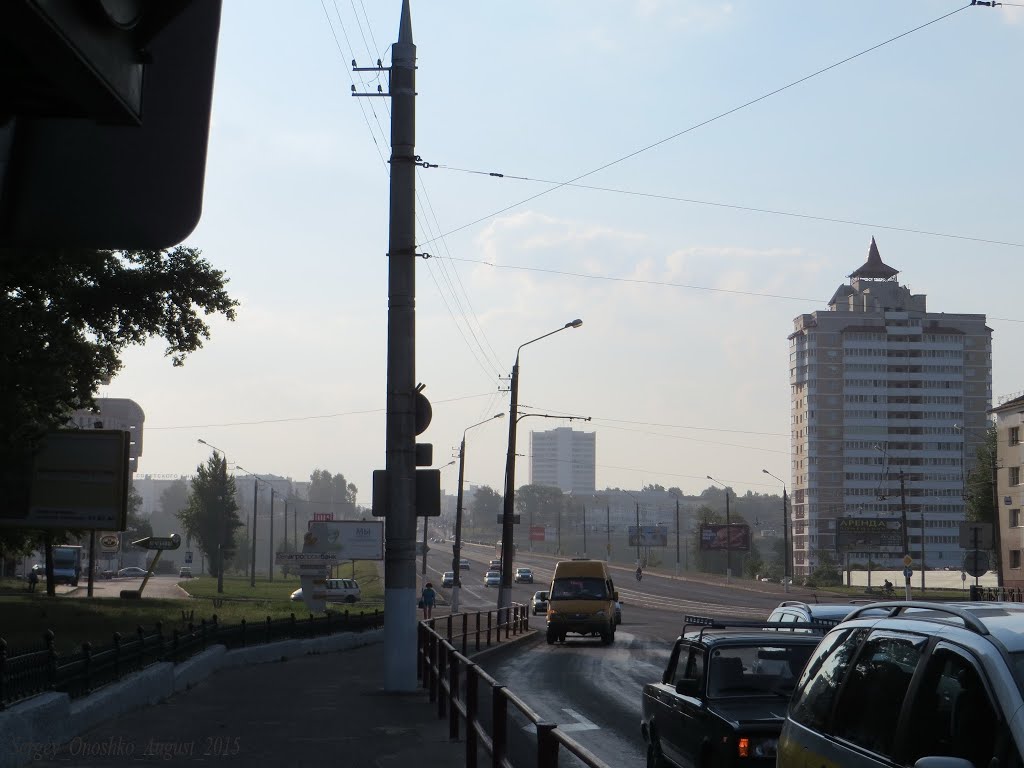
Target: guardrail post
x,y
442,678
465,633
547,746
266,636
291,625
449,624
429,682
478,630
51,658
420,639
174,646
499,725
490,616
86,664
215,628
117,655
3,670
472,711
453,694
141,634
243,634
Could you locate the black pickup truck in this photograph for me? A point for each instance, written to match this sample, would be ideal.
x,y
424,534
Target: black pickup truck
x,y
723,697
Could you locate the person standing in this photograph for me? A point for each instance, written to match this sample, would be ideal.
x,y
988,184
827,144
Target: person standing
x,y
428,597
33,579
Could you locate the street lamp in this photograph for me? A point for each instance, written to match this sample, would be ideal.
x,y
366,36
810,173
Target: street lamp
x,y
785,534
903,523
728,534
457,547
636,501
255,497
505,591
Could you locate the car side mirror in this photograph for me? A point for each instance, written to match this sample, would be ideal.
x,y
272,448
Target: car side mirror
x,y
615,596
687,686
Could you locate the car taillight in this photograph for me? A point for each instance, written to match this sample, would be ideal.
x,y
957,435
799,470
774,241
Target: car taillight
x,y
743,747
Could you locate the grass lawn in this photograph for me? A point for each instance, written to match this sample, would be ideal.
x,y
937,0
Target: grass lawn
x,y
916,593
25,617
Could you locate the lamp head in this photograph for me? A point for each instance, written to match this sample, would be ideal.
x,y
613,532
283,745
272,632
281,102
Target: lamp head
x,y
710,477
765,471
498,416
574,323
200,440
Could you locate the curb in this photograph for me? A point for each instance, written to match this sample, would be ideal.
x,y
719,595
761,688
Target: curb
x,y
51,719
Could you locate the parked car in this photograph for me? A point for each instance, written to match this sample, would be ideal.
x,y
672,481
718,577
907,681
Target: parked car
x,y
132,572
927,682
796,611
185,572
448,579
524,576
492,579
338,591
718,701
540,603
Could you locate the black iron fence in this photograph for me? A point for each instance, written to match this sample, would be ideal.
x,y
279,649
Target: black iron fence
x,y
479,709
989,593
82,672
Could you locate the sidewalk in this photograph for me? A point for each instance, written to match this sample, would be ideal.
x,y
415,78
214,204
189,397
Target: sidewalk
x,y
325,710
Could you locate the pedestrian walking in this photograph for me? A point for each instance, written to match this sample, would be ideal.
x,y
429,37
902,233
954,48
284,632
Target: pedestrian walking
x,y
33,579
427,599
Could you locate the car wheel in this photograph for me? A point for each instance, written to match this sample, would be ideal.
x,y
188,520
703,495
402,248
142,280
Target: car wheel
x,y
654,757
608,636
551,637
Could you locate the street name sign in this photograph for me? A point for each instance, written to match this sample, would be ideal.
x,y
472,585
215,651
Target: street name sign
x,y
159,542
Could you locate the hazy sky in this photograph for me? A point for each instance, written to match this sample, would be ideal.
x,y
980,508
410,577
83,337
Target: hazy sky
x,y
682,359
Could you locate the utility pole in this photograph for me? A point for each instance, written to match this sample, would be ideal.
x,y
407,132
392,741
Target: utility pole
x,y
271,547
608,532
728,541
400,438
252,559
786,559
677,538
637,534
906,534
584,529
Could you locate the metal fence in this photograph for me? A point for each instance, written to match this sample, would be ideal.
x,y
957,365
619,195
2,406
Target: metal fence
x,y
80,673
477,706
1012,595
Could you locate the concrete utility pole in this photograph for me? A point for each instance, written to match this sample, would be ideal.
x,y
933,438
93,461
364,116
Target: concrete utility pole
x,y
400,441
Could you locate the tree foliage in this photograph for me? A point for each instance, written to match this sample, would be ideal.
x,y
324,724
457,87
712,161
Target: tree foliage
x,y
541,503
332,493
211,517
978,485
65,318
487,503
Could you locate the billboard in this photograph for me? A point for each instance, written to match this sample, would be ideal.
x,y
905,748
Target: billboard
x,y
719,538
537,533
79,479
346,539
650,536
869,532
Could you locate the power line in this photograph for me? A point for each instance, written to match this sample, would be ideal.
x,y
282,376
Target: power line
x,y
668,284
737,207
703,123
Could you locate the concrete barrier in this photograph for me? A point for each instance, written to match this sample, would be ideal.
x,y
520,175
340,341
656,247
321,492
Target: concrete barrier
x,y
36,728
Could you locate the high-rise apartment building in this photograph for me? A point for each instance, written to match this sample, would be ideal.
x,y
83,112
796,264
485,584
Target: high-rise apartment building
x,y
564,458
889,401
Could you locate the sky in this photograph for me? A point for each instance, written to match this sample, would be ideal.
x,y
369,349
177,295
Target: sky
x,y
686,298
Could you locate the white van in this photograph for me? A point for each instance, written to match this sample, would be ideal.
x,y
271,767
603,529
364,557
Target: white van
x,y
338,591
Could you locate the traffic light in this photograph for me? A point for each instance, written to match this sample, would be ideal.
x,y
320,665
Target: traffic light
x,y
104,120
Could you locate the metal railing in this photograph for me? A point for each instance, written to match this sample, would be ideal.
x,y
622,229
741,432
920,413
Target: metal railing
x,y
455,683
1011,595
80,673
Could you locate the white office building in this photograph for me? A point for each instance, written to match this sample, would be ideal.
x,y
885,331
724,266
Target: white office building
x,y
564,458
883,388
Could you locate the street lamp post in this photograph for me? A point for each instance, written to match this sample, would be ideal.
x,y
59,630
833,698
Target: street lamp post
x,y
505,591
785,534
728,534
424,571
457,547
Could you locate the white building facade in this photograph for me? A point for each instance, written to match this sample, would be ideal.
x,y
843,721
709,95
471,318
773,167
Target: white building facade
x,y
889,402
564,458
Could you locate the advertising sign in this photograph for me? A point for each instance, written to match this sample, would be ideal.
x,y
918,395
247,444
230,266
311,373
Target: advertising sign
x,y
110,543
868,532
537,533
346,539
79,479
650,536
719,538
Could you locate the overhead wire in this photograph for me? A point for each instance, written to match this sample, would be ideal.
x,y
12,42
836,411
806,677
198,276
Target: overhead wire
x,y
703,123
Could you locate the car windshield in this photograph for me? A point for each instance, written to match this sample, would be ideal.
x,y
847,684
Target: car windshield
x,y
756,670
579,588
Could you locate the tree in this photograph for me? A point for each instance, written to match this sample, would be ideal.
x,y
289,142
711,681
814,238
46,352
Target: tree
x,y
487,505
826,573
978,487
173,499
66,316
211,518
138,526
332,493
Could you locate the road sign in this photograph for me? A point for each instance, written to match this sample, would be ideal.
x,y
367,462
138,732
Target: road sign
x,y
318,559
976,536
963,576
908,572
159,542
110,543
976,562
320,517
188,557
908,560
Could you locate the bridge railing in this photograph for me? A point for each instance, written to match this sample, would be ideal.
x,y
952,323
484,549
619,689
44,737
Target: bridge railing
x,y
478,707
